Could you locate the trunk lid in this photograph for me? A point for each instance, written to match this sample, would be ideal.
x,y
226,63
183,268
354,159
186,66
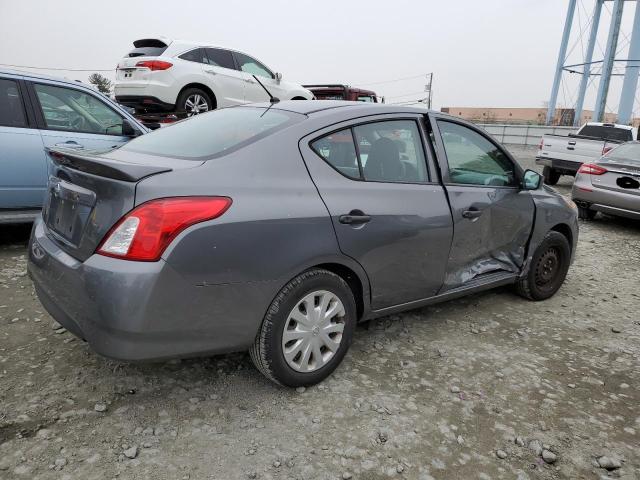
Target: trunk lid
x,y
89,192
621,176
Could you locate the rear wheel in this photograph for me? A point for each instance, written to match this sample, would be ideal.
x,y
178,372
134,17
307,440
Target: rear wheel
x,y
194,101
586,214
548,268
307,330
551,176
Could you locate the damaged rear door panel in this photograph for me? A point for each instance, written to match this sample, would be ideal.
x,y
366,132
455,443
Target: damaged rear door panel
x,y
492,215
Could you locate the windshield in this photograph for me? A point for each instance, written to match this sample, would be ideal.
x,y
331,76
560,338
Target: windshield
x,y
213,134
627,153
607,133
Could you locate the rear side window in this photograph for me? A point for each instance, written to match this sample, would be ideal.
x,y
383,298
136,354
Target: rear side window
x,y
220,58
195,55
387,151
213,134
339,151
607,133
11,107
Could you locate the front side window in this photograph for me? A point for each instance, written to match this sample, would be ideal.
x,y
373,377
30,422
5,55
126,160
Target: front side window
x,y
220,58
387,151
473,159
196,55
11,107
213,134
365,98
252,66
76,111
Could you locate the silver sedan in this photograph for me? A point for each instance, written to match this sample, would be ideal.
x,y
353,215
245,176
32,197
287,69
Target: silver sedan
x,y
611,185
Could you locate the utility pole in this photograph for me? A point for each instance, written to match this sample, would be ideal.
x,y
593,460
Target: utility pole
x,y
428,89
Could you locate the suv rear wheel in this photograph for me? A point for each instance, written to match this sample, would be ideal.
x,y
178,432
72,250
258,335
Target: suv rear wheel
x,y
194,101
307,330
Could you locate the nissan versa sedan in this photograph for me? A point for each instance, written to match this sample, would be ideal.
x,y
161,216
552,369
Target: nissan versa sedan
x,y
611,185
276,228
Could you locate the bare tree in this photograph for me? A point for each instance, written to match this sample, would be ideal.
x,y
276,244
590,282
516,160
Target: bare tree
x,y
101,82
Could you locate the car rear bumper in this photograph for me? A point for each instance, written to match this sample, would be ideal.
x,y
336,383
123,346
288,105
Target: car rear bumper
x,y
566,167
142,310
585,194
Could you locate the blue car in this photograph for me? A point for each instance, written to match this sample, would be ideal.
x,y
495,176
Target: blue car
x,y
38,112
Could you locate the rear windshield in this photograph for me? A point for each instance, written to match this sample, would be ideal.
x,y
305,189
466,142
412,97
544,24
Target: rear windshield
x,y
148,47
607,133
147,52
628,152
213,134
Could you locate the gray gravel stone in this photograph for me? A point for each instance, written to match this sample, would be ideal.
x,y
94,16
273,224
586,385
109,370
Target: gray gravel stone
x,y
100,407
609,463
131,452
501,454
549,457
454,389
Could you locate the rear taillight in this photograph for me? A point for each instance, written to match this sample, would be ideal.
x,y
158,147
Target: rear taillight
x,y
146,231
592,169
541,144
154,65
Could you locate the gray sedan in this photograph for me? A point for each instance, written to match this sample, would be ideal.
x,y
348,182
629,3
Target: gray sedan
x,y
276,228
611,185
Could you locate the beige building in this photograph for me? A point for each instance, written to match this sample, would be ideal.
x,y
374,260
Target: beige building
x,y
532,116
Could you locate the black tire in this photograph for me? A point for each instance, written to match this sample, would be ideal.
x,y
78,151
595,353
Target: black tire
x,y
548,268
267,351
585,213
550,175
191,94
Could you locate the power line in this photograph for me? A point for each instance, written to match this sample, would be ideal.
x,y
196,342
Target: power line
x,y
58,69
391,81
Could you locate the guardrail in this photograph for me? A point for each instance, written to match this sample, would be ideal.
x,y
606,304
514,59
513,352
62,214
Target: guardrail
x,y
523,134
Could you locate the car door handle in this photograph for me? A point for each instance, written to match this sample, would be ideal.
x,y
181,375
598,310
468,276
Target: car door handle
x,y
354,219
248,80
212,72
572,143
69,144
472,213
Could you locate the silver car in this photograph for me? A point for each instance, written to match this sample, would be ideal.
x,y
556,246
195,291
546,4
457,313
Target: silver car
x,y
611,185
276,228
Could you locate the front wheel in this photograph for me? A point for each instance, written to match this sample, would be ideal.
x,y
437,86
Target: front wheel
x,y
307,330
550,175
548,268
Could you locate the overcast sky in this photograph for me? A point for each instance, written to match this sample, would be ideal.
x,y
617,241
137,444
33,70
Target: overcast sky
x,y
483,53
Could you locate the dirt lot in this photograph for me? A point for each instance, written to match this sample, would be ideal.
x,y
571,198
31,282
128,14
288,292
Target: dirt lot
x,y
474,388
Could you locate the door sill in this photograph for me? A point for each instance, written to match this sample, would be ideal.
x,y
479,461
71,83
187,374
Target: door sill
x,y
482,282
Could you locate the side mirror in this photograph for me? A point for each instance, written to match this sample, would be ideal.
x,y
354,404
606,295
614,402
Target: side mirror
x,y
129,130
278,77
531,180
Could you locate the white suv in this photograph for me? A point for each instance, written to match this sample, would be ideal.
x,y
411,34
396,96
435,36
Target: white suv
x,y
160,74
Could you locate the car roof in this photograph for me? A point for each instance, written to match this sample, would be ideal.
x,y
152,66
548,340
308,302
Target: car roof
x,y
308,107
41,76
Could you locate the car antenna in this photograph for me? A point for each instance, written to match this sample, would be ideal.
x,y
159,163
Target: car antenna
x,y
272,99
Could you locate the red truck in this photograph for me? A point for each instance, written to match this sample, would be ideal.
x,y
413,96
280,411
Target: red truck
x,y
343,92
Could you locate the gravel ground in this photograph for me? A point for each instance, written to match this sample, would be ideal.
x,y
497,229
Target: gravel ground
x,y
490,386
